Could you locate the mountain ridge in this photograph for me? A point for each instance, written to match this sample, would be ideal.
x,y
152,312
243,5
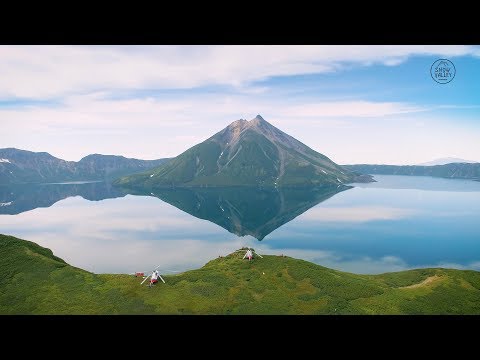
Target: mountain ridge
x,y
451,171
447,160
19,166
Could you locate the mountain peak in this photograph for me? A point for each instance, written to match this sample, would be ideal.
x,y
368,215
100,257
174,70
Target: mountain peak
x,y
237,123
236,127
241,124
257,120
240,121
246,153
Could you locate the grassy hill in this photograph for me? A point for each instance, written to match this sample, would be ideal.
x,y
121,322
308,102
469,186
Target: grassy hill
x,y
34,281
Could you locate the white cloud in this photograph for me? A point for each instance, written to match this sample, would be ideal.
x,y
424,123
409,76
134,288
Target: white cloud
x,y
367,264
141,214
74,226
350,109
475,265
51,71
346,131
152,128
88,120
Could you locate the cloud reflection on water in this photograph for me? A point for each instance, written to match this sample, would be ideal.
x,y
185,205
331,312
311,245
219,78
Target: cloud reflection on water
x,y
356,214
362,230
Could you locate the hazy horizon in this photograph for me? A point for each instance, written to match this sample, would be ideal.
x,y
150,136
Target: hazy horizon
x,y
354,104
372,163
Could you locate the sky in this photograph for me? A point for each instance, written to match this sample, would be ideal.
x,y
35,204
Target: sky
x,y
354,104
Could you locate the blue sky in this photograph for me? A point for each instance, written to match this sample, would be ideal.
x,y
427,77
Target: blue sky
x,y
355,104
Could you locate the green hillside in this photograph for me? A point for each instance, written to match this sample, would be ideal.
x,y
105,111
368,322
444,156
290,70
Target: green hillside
x,y
34,281
246,153
27,167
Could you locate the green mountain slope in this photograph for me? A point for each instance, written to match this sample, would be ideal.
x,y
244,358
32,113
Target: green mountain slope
x,y
452,171
34,281
447,160
21,166
246,153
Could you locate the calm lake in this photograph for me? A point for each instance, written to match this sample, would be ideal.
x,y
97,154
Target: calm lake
x,y
394,224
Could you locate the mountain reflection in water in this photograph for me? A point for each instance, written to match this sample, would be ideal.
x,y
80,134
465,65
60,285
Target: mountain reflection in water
x,y
17,199
240,210
246,210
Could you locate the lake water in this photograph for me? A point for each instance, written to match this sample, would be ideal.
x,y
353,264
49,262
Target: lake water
x,y
394,224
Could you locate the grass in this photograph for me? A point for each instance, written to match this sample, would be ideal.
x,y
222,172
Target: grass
x,y
34,281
